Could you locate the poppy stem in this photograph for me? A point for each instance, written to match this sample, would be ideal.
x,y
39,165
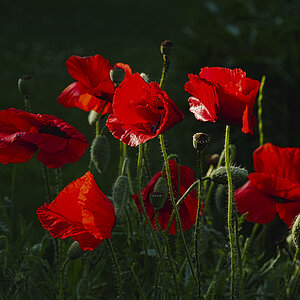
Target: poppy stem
x,y
230,209
46,180
197,223
163,148
62,278
164,70
259,112
139,183
115,261
168,254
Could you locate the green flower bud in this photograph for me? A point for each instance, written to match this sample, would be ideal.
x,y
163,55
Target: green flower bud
x,y
296,232
74,251
100,152
166,47
93,116
120,193
26,85
117,75
239,176
160,194
200,141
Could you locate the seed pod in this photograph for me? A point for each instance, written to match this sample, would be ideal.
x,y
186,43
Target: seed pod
x,y
120,193
166,47
74,251
296,232
200,141
160,194
117,75
26,85
239,176
213,159
100,152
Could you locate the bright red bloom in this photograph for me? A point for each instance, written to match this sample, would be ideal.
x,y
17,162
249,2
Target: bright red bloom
x,y
80,211
274,188
23,133
94,87
188,208
141,111
225,95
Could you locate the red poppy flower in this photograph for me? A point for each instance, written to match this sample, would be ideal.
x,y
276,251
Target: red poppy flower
x,y
225,95
23,133
141,111
274,188
94,87
80,211
188,208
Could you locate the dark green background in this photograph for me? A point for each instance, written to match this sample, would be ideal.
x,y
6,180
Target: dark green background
x,y
261,37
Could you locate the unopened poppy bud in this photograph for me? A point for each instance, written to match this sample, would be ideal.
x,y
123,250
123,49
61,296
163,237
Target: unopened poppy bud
x,y
296,232
213,159
25,85
200,141
74,251
239,175
166,47
100,152
145,77
93,116
160,193
120,193
117,75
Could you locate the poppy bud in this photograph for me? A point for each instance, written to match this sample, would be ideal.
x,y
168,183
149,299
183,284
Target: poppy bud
x,y
117,75
25,85
160,194
100,152
213,159
296,232
93,116
74,251
239,175
120,193
166,47
145,77
200,141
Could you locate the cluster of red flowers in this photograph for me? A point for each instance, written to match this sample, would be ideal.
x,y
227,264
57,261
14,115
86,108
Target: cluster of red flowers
x,y
140,111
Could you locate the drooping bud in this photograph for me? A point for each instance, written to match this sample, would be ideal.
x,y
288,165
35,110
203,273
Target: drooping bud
x,y
166,47
100,152
75,251
296,232
26,85
117,75
200,141
239,176
93,116
213,159
120,193
160,194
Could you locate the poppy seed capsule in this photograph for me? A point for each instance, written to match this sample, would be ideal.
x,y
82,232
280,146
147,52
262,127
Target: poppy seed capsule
x,y
120,193
200,141
213,159
160,194
166,47
296,232
25,85
117,75
100,152
239,176
74,251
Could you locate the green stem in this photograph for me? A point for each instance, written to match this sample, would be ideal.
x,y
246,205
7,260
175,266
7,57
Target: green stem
x,y
230,209
27,104
249,240
46,180
259,100
139,180
169,255
115,261
62,278
164,70
178,221
295,288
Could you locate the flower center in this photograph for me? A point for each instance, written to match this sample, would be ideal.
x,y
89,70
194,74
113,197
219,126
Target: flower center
x,y
53,130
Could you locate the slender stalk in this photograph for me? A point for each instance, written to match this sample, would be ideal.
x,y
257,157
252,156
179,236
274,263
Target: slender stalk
x,y
118,272
163,148
164,70
259,113
248,241
229,215
62,278
169,255
46,180
295,288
